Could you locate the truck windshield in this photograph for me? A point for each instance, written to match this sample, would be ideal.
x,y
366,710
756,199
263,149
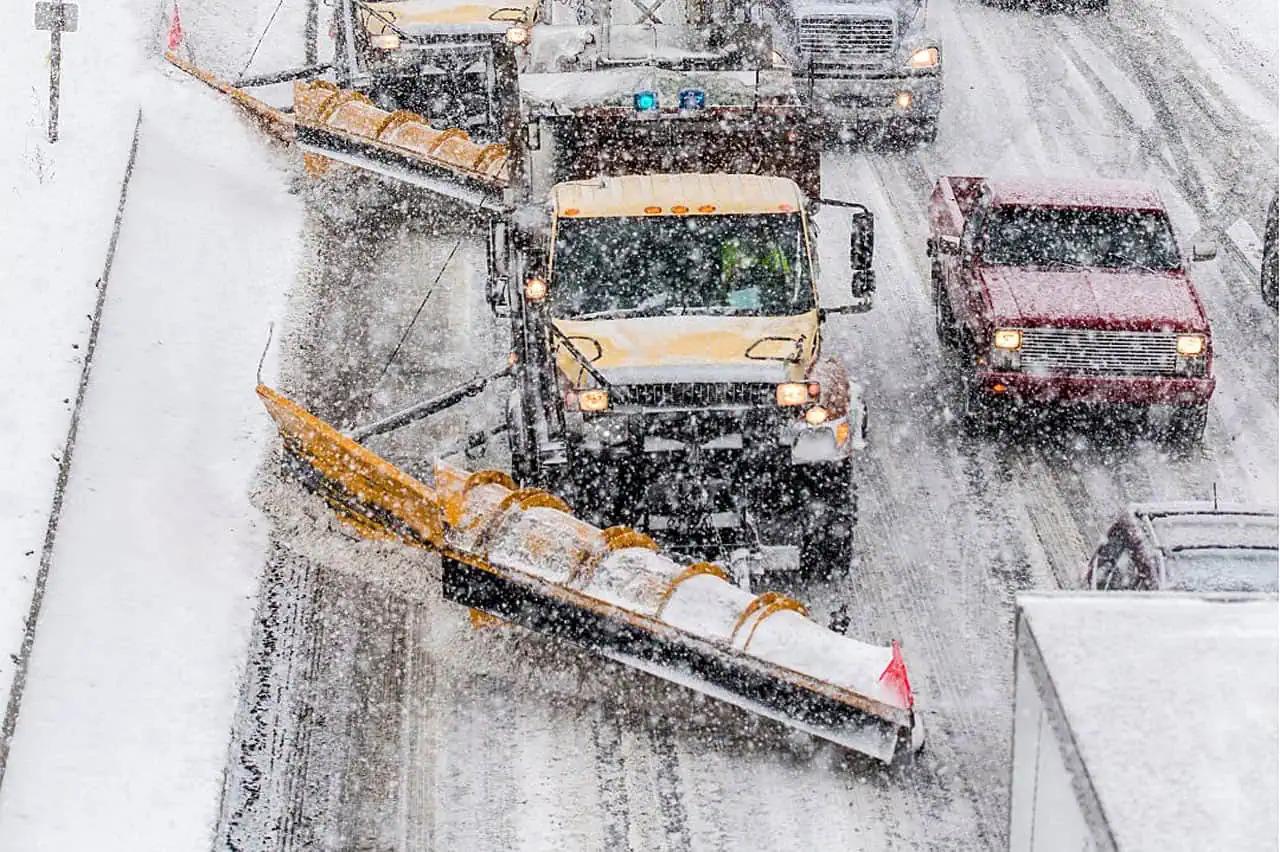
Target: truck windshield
x,y
660,265
1109,239
1225,570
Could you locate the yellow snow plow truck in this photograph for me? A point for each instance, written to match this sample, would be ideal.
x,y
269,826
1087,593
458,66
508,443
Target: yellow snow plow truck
x,y
678,383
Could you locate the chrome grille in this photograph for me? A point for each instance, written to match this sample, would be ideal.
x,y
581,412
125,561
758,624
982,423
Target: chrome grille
x,y
697,395
831,38
1096,353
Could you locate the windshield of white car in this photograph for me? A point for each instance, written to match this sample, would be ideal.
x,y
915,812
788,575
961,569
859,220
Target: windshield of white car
x,y
1226,569
1073,238
725,265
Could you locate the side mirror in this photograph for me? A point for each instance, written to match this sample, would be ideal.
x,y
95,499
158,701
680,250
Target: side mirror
x,y
1203,248
949,244
862,241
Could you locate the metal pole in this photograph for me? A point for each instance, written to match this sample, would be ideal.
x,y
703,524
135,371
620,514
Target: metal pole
x,y
55,75
311,32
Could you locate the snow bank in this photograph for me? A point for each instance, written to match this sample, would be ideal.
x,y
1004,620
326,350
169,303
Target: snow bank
x,y
122,734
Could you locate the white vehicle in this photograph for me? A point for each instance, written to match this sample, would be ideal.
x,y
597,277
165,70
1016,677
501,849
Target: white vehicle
x,y
1145,721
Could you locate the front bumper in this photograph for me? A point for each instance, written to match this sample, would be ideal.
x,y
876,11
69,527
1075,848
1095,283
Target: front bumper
x,y
1133,390
856,95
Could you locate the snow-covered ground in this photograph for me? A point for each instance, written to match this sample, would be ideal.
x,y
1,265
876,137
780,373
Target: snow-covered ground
x,y
140,643
372,714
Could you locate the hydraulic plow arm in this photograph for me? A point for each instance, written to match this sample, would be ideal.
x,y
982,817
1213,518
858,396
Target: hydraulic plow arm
x,y
520,554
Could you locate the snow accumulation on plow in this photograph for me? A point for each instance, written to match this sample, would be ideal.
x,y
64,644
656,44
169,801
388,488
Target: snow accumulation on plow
x,y
520,554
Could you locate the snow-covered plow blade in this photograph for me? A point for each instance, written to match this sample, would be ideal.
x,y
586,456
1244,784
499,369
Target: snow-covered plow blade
x,y
520,554
345,126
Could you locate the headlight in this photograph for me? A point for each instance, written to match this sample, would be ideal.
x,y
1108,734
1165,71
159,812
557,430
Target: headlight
x,y
535,289
925,57
816,416
1007,338
386,41
1190,345
596,399
518,35
792,393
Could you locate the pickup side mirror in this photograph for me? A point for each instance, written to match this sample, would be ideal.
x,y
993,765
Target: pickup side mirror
x,y
1203,248
949,244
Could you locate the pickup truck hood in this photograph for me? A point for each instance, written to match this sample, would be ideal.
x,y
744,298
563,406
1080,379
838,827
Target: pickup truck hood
x,y
1093,298
692,348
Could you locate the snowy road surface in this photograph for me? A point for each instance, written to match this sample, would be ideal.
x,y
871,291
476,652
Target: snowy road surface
x,y
373,717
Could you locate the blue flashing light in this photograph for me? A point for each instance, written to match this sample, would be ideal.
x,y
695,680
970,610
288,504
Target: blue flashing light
x,y
645,101
692,99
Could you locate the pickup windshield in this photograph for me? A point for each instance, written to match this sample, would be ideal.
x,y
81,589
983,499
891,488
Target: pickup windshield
x,y
1069,237
669,265
1225,570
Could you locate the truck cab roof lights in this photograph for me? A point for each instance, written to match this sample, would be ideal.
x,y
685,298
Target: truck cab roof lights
x,y
707,208
679,209
692,100
646,103
653,210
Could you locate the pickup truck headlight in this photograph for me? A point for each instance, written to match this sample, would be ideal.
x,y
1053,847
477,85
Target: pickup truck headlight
x,y
518,35
1190,345
925,57
1006,346
1007,338
385,41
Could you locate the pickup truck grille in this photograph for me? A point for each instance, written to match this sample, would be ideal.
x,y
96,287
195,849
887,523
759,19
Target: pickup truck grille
x,y
1099,353
831,38
697,395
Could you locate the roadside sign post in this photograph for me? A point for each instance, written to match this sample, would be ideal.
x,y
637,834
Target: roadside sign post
x,y
56,17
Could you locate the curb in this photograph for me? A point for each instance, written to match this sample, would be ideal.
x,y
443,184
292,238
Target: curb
x,y
10,721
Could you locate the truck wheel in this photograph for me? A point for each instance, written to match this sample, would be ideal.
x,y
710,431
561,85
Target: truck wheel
x,y
944,321
1270,287
1186,425
826,544
925,130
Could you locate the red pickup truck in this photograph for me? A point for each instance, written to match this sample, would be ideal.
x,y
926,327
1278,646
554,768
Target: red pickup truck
x,y
1068,292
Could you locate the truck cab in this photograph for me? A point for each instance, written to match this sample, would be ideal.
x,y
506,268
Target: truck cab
x,y
866,63
684,389
1068,293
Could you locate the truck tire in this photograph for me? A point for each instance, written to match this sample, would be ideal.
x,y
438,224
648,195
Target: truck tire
x,y
975,416
944,321
1186,425
925,130
826,542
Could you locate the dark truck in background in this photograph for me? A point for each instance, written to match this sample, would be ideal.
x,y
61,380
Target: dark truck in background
x,y
1068,292
865,64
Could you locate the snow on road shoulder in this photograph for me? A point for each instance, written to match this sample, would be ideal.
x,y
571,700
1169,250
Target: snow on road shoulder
x,y
55,225
133,680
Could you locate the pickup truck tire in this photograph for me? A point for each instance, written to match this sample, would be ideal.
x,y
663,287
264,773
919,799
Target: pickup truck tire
x,y
826,543
944,320
1187,424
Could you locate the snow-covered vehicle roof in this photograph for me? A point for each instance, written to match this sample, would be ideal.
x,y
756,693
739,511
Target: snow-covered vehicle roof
x,y
1074,192
1170,702
636,195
